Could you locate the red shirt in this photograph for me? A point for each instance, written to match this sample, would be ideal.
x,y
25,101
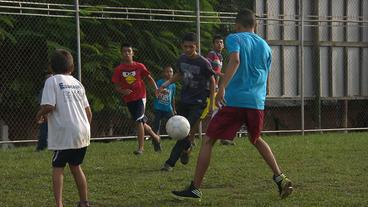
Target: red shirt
x,y
130,76
215,59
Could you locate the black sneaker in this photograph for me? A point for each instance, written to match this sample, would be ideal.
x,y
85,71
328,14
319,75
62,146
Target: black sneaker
x,y
284,185
191,193
166,167
227,142
184,157
156,145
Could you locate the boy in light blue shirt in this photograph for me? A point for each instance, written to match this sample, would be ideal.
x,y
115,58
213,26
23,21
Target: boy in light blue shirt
x,y
240,98
164,104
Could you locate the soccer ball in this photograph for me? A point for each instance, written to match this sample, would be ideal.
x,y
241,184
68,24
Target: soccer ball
x,y
177,127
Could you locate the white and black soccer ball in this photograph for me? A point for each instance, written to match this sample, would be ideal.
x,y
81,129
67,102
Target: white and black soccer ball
x,y
177,127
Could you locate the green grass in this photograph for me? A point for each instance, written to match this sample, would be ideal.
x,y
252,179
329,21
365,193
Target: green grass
x,y
327,170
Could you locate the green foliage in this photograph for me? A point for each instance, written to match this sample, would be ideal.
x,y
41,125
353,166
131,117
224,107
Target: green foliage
x,y
6,24
27,41
327,170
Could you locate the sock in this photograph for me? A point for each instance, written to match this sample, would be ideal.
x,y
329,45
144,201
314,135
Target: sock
x,y
279,178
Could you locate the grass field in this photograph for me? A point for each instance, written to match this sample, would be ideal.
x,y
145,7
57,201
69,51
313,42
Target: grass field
x,y
327,170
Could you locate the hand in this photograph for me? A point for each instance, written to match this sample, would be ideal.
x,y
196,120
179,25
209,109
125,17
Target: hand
x,y
40,119
220,100
126,92
160,89
157,92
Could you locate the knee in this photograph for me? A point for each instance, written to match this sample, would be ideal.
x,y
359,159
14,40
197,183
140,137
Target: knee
x,y
208,141
74,168
255,141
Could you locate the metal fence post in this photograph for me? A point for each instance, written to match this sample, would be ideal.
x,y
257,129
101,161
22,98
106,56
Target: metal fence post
x,y
4,135
79,70
198,22
301,61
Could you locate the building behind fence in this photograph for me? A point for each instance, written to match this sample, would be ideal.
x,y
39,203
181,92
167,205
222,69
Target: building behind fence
x,y
318,80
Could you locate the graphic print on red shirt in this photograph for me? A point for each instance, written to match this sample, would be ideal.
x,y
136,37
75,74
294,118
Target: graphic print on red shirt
x,y
130,76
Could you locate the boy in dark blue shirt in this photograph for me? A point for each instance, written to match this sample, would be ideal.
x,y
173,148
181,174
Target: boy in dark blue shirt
x,y
198,83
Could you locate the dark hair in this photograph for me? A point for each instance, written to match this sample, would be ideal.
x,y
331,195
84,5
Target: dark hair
x,y
246,18
217,37
61,61
190,36
126,44
166,66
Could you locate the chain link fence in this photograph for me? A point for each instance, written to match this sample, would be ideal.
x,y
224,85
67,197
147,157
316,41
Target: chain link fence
x,y
318,80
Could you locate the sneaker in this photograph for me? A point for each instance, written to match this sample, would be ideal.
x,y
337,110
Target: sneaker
x,y
284,185
191,192
156,145
184,157
166,167
83,203
138,152
227,142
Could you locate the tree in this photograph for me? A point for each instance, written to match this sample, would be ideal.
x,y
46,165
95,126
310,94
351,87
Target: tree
x,y
26,41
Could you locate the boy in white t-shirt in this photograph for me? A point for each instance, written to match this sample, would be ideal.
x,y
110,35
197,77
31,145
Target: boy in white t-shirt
x,y
65,104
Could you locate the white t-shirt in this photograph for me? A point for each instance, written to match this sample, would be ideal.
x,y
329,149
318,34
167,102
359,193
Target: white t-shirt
x,y
68,126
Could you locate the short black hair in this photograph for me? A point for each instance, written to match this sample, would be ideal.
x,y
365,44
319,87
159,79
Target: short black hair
x,y
126,44
190,36
61,61
167,66
246,18
217,37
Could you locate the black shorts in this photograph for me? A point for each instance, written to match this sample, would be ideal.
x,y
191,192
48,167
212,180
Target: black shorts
x,y
72,156
136,109
191,111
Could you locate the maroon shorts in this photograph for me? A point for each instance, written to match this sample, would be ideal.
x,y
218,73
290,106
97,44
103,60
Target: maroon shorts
x,y
228,120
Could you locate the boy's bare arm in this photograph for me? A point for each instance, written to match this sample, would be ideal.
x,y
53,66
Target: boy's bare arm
x,y
175,78
174,105
231,68
89,114
212,92
122,91
152,81
45,109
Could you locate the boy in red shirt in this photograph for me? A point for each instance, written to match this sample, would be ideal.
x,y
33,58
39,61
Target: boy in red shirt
x,y
128,79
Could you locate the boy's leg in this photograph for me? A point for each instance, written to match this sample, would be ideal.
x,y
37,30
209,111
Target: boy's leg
x,y
254,122
81,182
157,122
140,135
155,138
184,156
193,192
176,151
193,131
136,109
283,183
57,185
193,117
266,152
203,160
152,134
